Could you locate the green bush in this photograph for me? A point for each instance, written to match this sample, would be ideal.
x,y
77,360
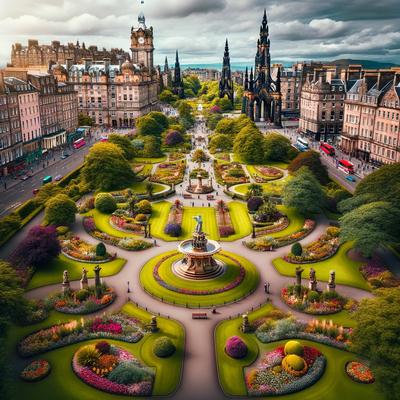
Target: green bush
x,y
330,295
297,249
333,231
105,203
82,294
293,347
27,208
62,230
101,249
312,295
9,224
129,372
163,347
144,207
88,356
60,210
140,218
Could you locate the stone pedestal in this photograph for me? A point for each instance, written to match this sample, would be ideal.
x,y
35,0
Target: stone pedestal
x,y
153,324
245,324
66,286
84,280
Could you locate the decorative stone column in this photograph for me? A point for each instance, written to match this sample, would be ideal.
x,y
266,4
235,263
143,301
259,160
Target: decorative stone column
x,y
245,324
97,281
313,280
153,324
84,279
66,286
331,283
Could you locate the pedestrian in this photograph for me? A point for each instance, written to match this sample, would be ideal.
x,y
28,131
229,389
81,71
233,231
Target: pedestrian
x,y
129,290
155,242
268,285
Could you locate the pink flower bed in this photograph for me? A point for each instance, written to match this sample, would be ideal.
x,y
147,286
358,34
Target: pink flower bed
x,y
109,326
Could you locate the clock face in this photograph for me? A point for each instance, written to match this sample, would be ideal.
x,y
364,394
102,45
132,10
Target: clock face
x,y
141,40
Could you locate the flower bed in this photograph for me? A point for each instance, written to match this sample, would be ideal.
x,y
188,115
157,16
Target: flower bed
x,y
80,250
276,226
127,243
312,302
359,372
230,173
36,371
236,282
265,243
279,373
175,218
169,173
224,222
199,171
116,326
318,331
378,275
321,249
115,371
265,174
127,224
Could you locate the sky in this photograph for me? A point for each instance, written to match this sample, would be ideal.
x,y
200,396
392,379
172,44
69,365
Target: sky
x,y
299,30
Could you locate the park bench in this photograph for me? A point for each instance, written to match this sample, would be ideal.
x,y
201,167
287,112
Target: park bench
x,y
199,315
187,196
210,197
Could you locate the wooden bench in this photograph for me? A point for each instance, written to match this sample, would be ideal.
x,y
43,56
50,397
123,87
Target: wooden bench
x,y
210,197
187,196
199,315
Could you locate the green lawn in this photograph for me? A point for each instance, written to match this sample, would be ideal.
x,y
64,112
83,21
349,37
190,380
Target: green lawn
x,y
53,272
254,173
159,218
333,385
240,221
347,270
140,187
278,164
66,384
149,160
296,222
272,188
249,283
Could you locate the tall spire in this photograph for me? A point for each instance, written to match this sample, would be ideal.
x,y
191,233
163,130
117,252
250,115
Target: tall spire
x,y
178,82
177,57
166,66
225,84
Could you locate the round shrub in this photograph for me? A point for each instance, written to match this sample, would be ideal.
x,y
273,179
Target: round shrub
x,y
312,295
254,203
101,250
293,362
174,230
173,137
82,294
129,372
235,347
60,210
293,347
103,347
144,207
163,347
333,231
297,249
105,203
62,230
88,356
140,218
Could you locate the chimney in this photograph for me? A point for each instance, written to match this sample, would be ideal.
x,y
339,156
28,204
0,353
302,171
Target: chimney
x,y
69,63
330,74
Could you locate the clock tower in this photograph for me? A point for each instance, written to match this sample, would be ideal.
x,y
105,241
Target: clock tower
x,y
142,44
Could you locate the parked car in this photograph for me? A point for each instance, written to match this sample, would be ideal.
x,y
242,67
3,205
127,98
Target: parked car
x,y
64,156
58,178
47,179
25,177
350,178
35,191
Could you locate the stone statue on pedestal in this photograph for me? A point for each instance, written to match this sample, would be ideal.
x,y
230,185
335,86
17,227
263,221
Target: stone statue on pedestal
x,y
84,279
331,283
313,280
299,271
199,225
66,287
245,323
153,324
97,281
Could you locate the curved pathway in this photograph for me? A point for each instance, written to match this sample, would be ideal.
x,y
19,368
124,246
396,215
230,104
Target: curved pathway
x,y
200,379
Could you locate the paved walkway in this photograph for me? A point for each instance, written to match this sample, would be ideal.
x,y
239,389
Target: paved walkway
x,y
200,379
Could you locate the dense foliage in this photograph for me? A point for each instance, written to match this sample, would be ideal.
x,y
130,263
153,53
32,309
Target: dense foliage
x,y
105,203
123,142
60,210
163,347
312,160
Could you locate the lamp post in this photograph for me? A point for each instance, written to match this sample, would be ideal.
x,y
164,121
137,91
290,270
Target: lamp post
x,y
148,231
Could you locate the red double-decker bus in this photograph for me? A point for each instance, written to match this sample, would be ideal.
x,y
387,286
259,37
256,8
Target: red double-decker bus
x,y
327,149
346,166
79,143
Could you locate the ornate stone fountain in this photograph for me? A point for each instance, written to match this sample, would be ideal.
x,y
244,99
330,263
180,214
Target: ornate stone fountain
x,y
198,262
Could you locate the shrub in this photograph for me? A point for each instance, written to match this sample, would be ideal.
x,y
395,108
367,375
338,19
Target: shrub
x,y
144,207
129,372
82,294
173,137
88,356
27,208
140,218
297,249
60,210
9,224
235,347
101,250
163,347
105,203
226,230
293,347
254,203
333,231
103,347
312,295
174,230
107,362
62,230
293,363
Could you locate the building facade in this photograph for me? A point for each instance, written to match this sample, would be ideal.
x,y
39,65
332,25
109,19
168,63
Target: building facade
x,y
290,89
371,129
116,94
34,54
262,99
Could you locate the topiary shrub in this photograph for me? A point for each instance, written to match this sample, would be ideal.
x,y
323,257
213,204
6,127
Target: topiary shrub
x,y
129,372
297,249
174,230
293,347
62,230
88,356
235,347
163,347
103,347
294,365
140,218
312,296
105,203
143,207
254,203
173,137
101,250
82,294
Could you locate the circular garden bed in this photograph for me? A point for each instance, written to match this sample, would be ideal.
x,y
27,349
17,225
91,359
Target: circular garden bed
x,y
36,371
359,372
265,174
239,279
113,370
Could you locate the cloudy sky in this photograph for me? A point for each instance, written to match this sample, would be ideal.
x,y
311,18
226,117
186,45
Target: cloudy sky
x,y
300,30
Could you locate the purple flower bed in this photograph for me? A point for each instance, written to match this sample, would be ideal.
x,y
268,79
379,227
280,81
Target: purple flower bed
x,y
235,347
373,268
236,282
174,230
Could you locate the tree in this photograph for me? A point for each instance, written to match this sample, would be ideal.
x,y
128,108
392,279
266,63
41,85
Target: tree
x,y
304,193
377,337
226,126
106,168
212,120
47,192
148,126
192,83
276,147
173,138
152,146
84,120
371,225
161,118
186,117
224,103
248,145
149,189
166,96
220,142
38,248
312,160
105,203
101,250
254,190
60,210
199,156
124,144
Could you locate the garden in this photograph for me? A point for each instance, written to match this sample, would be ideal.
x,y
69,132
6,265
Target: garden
x,y
264,173
169,172
229,173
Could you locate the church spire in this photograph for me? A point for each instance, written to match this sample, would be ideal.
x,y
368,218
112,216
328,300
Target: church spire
x,y
166,66
225,84
178,82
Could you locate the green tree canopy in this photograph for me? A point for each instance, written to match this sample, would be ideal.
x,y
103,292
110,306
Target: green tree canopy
x,y
191,83
371,225
277,147
152,146
47,191
199,156
161,118
312,160
123,142
186,117
226,126
60,210
377,337
221,142
224,103
248,145
106,168
84,120
304,193
212,120
148,126
166,96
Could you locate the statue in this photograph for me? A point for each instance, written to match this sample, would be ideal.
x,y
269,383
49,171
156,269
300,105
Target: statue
x,y
245,324
153,324
299,271
199,225
97,281
66,287
331,283
84,279
313,280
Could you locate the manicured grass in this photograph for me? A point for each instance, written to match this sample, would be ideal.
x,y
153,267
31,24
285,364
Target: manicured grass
x,y
278,164
333,385
251,169
146,171
343,318
159,218
240,221
150,160
347,270
140,187
53,272
273,187
249,283
296,221
63,381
